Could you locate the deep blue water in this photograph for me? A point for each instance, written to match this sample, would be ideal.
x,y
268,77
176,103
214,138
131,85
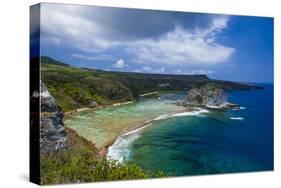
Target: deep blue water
x,y
213,142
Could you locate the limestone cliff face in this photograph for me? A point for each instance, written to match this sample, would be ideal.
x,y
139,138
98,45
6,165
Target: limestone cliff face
x,y
52,131
209,95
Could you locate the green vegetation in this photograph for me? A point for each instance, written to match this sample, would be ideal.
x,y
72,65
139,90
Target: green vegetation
x,y
79,166
81,163
74,87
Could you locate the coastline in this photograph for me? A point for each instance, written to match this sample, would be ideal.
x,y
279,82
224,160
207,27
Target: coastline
x,y
122,136
125,136
102,151
96,108
134,128
149,93
77,110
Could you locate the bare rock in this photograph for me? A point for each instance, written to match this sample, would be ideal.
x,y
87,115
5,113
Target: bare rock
x,y
209,95
93,104
52,131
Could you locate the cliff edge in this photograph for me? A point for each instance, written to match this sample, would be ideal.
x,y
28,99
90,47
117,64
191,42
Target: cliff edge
x,y
53,136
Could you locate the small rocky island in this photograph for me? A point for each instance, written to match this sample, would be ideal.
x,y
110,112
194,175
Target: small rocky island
x,y
210,95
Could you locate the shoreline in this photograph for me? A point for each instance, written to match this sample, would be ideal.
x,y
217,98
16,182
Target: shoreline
x,y
103,151
188,111
77,110
96,108
140,127
149,93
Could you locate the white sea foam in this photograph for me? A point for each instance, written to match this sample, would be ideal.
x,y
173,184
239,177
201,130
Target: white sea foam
x,y
163,116
237,118
120,150
192,113
240,108
137,130
122,103
197,112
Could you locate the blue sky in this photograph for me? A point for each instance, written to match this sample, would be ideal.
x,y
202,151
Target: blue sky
x,y
238,48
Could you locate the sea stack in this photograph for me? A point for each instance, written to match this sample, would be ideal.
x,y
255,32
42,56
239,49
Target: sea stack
x,y
210,95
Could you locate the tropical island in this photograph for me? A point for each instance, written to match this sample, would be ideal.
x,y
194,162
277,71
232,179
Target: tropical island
x,y
67,91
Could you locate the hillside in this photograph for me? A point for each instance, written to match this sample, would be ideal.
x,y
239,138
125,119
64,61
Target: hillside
x,y
74,87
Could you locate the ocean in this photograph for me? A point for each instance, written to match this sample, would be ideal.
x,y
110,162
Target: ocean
x,y
158,135
207,143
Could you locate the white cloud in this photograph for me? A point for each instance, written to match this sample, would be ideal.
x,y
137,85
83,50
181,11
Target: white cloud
x,y
74,30
147,69
179,71
181,47
79,27
162,70
207,72
193,72
52,40
119,64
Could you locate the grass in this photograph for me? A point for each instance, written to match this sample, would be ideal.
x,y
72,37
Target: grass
x,y
75,166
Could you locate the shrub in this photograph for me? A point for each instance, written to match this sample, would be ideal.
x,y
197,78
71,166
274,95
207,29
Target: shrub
x,y
78,165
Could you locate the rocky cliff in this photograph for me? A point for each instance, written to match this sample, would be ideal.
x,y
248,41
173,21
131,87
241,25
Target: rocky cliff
x,y
210,95
53,136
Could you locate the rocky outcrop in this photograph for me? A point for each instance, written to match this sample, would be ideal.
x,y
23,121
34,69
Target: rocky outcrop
x,y
210,95
52,131
93,104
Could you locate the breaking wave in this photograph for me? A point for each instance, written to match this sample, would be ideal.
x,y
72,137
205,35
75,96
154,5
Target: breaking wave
x,y
191,113
120,149
240,108
237,118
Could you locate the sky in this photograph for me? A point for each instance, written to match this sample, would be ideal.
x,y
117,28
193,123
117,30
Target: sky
x,y
227,47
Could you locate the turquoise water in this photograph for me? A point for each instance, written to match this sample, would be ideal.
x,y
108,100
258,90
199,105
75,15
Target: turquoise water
x,y
205,143
103,126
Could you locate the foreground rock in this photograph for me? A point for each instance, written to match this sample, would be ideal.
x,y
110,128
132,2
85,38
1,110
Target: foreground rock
x,y
210,95
53,136
93,104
